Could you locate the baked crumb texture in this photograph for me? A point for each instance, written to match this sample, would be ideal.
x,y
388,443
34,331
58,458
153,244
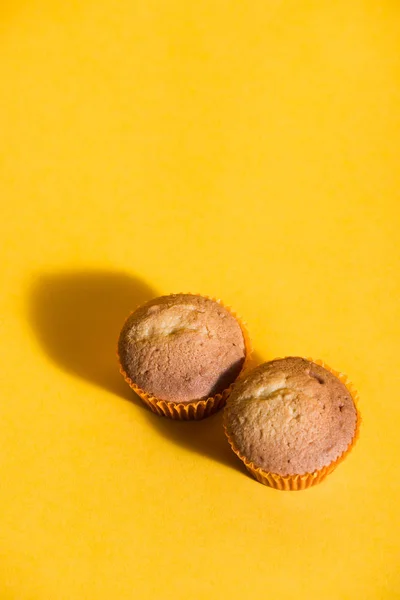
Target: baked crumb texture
x,y
290,416
181,348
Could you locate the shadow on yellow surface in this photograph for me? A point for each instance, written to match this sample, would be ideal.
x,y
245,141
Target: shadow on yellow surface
x,y
77,316
205,437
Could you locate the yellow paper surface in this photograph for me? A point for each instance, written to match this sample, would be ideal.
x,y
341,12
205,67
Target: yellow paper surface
x,y
245,150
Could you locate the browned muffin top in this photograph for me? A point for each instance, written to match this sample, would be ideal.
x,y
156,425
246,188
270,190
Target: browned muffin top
x,y
290,416
182,347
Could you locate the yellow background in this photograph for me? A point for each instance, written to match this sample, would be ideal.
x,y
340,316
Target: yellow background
x,y
247,150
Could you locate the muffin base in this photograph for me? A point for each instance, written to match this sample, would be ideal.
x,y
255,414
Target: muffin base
x,y
195,409
306,480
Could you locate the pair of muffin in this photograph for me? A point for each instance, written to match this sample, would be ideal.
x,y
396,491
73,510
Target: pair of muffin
x,y
291,420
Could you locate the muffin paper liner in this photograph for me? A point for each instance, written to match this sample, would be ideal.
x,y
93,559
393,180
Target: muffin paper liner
x,y
195,409
301,482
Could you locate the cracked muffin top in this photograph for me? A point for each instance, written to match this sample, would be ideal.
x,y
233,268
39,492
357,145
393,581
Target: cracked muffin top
x,y
182,348
290,416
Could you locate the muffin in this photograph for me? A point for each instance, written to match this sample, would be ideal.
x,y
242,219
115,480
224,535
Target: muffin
x,y
291,421
181,353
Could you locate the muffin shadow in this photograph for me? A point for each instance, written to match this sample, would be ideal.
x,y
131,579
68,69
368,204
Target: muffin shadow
x,y
77,315
206,437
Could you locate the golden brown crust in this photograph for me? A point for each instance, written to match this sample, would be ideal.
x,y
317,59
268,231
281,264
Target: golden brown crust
x,y
182,348
290,416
